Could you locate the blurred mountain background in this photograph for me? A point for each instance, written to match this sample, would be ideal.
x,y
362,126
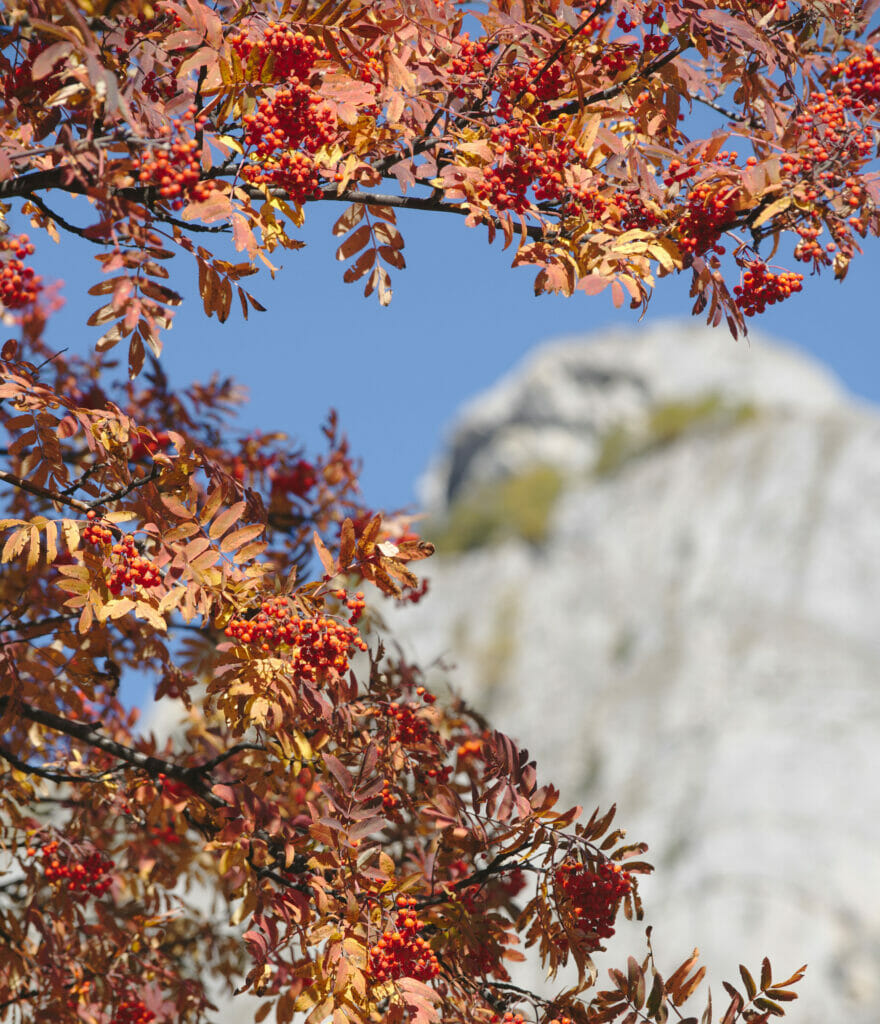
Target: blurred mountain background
x,y
658,569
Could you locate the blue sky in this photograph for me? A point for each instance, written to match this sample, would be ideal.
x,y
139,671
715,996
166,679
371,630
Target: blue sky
x,y
459,319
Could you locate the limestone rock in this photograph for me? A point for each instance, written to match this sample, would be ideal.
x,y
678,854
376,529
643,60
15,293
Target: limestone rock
x,y
697,639
558,406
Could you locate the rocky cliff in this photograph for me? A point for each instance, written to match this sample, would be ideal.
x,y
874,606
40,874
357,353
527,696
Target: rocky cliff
x,y
687,625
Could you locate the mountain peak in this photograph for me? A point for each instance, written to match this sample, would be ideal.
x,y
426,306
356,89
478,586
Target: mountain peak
x,y
558,405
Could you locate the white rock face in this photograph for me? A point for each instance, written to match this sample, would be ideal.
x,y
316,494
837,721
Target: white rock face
x,y
558,405
699,641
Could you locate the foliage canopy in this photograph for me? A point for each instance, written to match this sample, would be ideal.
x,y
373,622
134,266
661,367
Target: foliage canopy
x,y
367,852
609,142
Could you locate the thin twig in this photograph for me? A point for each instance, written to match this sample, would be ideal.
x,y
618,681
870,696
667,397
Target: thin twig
x,y
34,629
731,115
209,766
44,492
53,775
615,90
557,53
418,203
52,215
121,492
91,734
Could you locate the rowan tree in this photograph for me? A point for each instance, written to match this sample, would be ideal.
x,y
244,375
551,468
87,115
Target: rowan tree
x,y
322,832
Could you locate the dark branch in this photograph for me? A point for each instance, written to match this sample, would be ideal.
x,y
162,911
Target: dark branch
x,y
54,179
560,49
72,228
615,90
82,506
44,492
91,734
121,492
35,629
209,766
428,203
51,774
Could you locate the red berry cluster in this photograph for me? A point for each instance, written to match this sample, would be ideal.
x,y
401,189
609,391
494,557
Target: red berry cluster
x,y
403,953
808,249
471,748
95,533
131,568
761,288
314,645
390,799
161,86
293,122
18,83
652,42
356,605
88,876
132,1011
634,212
616,57
595,200
298,480
19,285
521,165
470,63
838,122
861,73
293,117
175,168
409,729
508,1018
531,86
293,172
143,444
282,52
710,209
835,127
593,896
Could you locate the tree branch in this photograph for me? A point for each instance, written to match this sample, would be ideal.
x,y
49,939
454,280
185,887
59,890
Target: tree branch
x,y
82,506
51,774
44,492
46,180
72,228
427,203
34,629
91,734
615,90
557,53
121,492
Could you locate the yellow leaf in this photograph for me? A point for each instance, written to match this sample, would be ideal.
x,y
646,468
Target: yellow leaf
x,y
116,609
120,517
777,206
85,619
70,532
225,520
34,550
148,612
51,542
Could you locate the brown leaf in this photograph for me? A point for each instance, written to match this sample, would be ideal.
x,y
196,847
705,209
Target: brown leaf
x,y
360,266
226,519
326,558
354,243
